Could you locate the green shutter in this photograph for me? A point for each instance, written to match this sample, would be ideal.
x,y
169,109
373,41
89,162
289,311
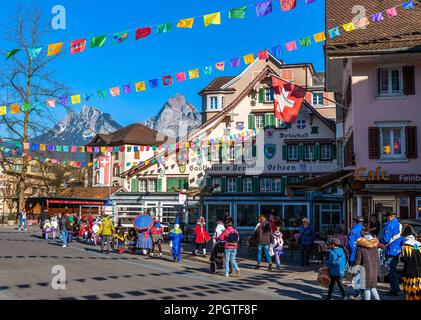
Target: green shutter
x,y
317,151
209,153
239,184
134,185
272,120
301,152
267,120
334,157
159,185
285,152
254,150
224,184
252,123
255,185
209,182
288,125
261,95
283,185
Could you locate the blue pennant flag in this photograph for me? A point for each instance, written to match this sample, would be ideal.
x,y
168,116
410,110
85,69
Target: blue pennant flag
x,y
334,32
408,5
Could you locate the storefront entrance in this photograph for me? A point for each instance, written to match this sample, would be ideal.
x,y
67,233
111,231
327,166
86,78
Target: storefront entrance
x,y
383,205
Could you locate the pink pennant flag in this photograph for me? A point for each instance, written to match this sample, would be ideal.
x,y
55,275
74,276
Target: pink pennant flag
x,y
51,103
181,76
291,46
392,12
74,149
115,92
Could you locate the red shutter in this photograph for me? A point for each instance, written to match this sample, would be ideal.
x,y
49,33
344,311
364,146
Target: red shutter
x,y
374,143
408,80
411,143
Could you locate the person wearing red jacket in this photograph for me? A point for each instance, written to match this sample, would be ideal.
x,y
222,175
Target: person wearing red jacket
x,y
231,238
201,236
157,237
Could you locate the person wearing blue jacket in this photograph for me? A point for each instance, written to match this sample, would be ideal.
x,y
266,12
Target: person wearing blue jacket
x,y
306,239
390,236
337,266
353,236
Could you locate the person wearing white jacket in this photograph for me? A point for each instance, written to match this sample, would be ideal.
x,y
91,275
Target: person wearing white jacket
x,y
220,228
278,244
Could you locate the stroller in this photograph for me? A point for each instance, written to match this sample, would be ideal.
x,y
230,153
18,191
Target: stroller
x,y
217,259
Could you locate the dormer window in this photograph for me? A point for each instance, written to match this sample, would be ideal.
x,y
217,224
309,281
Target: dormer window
x,y
213,103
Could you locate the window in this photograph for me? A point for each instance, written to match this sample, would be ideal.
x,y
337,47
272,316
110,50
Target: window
x,y
152,185
260,121
116,171
247,215
222,102
179,183
232,153
213,103
293,153
215,153
248,150
17,168
232,184
392,143
217,182
293,215
326,152
247,185
309,152
390,81
270,185
269,94
116,156
143,185
318,99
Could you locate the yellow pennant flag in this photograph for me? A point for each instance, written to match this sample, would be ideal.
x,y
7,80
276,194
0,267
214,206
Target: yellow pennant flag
x,y
249,58
3,110
349,27
103,149
319,37
213,18
76,99
14,109
363,22
194,73
82,149
140,86
54,48
185,23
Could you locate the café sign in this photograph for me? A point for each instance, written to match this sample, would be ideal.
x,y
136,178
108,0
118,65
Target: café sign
x,y
363,174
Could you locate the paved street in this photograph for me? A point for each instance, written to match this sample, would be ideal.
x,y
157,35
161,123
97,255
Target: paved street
x,y
26,262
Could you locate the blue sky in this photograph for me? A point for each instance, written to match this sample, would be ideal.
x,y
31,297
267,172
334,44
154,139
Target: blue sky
x,y
165,54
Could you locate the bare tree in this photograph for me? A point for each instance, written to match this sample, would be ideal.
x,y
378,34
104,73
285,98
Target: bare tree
x,y
30,82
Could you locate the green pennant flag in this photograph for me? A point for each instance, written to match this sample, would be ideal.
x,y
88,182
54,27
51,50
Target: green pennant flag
x,y
26,107
98,41
101,93
305,42
237,13
165,27
11,53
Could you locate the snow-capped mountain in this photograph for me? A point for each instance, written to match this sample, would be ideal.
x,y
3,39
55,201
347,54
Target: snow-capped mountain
x,y
80,128
176,118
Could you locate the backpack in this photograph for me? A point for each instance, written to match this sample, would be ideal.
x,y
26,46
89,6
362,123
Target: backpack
x,y
233,237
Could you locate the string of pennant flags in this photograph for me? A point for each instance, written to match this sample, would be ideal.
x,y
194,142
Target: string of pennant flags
x,y
208,70
78,46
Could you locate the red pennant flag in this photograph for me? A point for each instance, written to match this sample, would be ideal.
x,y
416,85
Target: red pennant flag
x,y
288,5
77,46
143,32
288,99
167,80
263,55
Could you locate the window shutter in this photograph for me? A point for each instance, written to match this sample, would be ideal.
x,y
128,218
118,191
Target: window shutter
x,y
255,185
283,185
374,143
209,182
288,125
334,150
272,120
239,184
252,123
134,185
317,152
261,95
408,80
209,153
378,82
411,143
285,152
254,150
159,185
224,184
267,120
301,152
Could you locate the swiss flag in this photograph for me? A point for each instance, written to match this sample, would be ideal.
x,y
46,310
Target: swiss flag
x,y
288,99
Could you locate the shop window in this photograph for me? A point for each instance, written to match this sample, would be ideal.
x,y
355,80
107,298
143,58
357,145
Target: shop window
x,y
418,208
247,215
329,218
293,215
217,212
404,208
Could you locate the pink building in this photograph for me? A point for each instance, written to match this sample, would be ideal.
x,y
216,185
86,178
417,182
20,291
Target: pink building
x,y
376,74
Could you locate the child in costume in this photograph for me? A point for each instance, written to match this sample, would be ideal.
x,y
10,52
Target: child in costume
x,y
54,227
411,257
47,228
201,236
176,236
157,236
132,240
144,241
278,243
120,236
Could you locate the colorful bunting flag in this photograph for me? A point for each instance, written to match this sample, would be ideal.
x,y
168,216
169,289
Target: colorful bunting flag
x,y
276,51
408,5
392,12
143,32
14,109
235,62
101,94
237,13
186,23
98,41
64,101
167,80
249,58
194,73
115,91
54,48
3,110
334,32
34,52
349,27
319,37
51,103
164,27
263,8
11,53
120,37
305,42
77,46
76,99
154,83
212,18
363,22
88,96
127,88
291,46
207,70
220,66
263,55
377,17
181,76
140,86
26,107
310,1
288,5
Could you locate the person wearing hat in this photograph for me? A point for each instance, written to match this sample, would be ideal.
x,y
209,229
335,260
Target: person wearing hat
x,y
306,239
336,264
353,236
176,236
411,257
390,236
201,236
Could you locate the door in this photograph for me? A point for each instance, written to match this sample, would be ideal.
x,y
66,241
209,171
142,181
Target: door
x,y
381,206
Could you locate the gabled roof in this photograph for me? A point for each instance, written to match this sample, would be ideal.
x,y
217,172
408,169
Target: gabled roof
x,y
217,84
400,33
135,134
89,193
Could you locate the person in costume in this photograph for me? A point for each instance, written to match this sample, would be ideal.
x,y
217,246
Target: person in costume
x,y
157,236
47,228
411,257
54,227
220,228
106,231
278,244
132,240
176,236
120,236
144,241
201,236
